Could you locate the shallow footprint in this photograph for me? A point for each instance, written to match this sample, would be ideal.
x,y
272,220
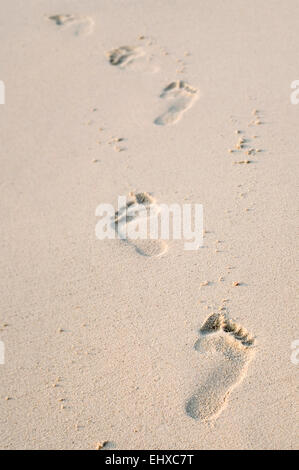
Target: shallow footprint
x,y
134,58
138,210
228,349
182,97
124,55
77,24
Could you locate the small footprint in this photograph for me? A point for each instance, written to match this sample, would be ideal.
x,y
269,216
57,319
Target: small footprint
x,y
124,55
139,208
228,349
77,24
133,58
182,97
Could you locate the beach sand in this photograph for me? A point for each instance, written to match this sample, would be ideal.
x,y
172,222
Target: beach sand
x,y
155,347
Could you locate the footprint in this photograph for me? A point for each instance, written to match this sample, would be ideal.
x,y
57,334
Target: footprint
x,y
124,55
182,97
133,58
228,349
77,24
138,211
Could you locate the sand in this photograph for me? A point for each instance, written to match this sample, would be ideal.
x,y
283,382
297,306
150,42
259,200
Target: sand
x,y
149,347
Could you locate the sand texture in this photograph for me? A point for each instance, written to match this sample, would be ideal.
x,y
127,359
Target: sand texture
x,y
141,344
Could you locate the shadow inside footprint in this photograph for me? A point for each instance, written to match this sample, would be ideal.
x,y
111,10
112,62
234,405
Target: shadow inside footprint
x,y
182,97
151,247
227,348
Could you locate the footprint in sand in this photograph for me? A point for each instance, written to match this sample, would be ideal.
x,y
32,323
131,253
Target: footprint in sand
x,y
181,96
79,26
131,57
228,349
124,55
129,219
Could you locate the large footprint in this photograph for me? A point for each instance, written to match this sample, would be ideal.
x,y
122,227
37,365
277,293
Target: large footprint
x,y
228,350
138,209
181,97
77,24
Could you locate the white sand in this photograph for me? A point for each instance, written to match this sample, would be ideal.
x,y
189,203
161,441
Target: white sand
x,y
96,324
